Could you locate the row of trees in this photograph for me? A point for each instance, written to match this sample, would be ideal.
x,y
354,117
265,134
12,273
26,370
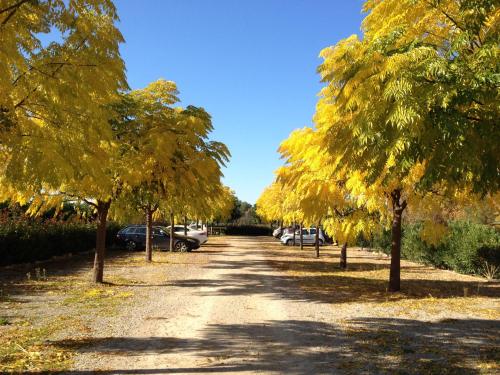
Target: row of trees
x,y
407,123
71,129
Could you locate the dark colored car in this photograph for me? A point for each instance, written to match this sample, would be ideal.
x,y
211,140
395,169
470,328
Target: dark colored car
x,y
133,237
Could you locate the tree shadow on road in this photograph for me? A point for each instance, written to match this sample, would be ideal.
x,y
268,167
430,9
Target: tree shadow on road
x,y
332,288
283,275
360,346
21,280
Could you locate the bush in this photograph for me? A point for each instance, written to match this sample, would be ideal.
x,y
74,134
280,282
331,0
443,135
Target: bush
x,y
464,249
362,241
248,230
490,254
380,241
31,240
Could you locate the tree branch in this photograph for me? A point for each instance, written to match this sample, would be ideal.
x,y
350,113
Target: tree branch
x,y
14,6
89,202
403,205
12,9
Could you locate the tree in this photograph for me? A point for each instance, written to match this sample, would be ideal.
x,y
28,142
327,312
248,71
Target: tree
x,y
313,174
156,130
270,203
179,166
222,204
197,166
69,129
58,89
244,213
54,102
411,107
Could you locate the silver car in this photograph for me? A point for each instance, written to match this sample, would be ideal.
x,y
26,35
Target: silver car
x,y
200,235
308,237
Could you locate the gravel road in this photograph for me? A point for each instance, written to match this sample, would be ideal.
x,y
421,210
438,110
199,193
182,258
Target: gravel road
x,y
227,312
246,305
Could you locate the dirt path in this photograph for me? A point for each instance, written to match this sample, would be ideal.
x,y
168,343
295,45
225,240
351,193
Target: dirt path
x,y
227,315
247,305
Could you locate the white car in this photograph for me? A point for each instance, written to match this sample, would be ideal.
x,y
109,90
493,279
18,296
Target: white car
x,y
200,235
308,237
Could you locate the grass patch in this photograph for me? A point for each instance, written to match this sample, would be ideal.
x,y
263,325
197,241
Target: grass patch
x,y
104,299
24,348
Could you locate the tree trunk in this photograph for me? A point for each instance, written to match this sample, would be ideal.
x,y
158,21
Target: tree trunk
x,y
171,231
301,237
100,248
343,256
149,234
293,228
316,242
185,226
398,207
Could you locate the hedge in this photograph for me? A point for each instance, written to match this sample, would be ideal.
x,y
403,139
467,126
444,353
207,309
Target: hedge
x,y
465,248
28,241
248,230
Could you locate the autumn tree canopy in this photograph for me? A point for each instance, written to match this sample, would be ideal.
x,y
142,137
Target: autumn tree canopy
x,y
71,129
407,118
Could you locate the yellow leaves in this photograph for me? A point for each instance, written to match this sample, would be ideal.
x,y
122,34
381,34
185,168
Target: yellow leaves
x,y
100,293
397,89
160,92
58,102
414,176
391,161
433,232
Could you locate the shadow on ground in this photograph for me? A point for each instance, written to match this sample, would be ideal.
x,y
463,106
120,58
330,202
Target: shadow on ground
x,y
321,280
60,271
362,346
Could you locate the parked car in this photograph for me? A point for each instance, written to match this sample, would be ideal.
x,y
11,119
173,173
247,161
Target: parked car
x,y
308,237
200,235
133,237
286,231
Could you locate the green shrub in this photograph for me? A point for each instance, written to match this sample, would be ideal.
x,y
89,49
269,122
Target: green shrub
x,y
490,254
464,249
248,230
362,241
29,240
380,241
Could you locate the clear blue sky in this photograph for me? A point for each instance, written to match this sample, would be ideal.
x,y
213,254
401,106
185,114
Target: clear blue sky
x,y
250,64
